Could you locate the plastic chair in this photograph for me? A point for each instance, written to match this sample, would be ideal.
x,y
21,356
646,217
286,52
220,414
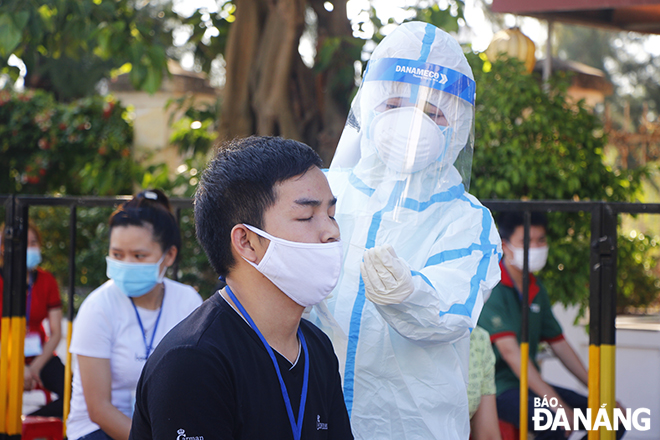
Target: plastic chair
x,y
41,427
508,431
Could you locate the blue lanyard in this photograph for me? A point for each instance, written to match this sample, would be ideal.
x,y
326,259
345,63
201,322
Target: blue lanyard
x,y
28,301
296,426
150,347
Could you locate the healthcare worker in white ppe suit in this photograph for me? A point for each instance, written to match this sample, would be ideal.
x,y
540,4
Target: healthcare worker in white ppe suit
x,y
419,251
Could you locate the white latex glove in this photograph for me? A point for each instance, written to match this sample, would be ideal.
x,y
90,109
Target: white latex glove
x,y
387,278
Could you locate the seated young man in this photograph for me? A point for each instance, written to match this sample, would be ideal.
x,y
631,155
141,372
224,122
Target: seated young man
x,y
244,365
502,317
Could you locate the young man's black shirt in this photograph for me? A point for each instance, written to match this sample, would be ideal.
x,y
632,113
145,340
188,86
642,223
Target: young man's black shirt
x,y
212,378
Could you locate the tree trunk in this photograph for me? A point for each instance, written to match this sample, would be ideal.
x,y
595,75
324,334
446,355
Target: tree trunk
x,y
272,76
334,93
236,118
268,88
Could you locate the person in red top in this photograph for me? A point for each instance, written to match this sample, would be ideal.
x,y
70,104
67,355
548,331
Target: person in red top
x,y
42,367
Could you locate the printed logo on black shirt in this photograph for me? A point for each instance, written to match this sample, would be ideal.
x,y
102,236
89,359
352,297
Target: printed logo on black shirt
x,y
182,436
320,425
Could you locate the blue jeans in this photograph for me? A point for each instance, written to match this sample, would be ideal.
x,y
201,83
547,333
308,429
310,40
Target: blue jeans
x,y
99,434
508,409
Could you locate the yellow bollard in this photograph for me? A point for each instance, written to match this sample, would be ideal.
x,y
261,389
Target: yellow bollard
x,y
67,378
594,385
524,391
16,366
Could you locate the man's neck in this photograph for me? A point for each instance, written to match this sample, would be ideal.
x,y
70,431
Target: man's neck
x,y
276,316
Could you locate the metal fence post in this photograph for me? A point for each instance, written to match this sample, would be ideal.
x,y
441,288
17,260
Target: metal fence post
x,y
12,358
608,276
602,318
524,330
68,374
594,314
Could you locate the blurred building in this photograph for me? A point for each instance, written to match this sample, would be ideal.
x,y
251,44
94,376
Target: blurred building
x,y
152,118
587,82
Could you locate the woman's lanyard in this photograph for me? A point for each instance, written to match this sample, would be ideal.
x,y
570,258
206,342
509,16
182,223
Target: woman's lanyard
x,y
296,426
149,347
28,301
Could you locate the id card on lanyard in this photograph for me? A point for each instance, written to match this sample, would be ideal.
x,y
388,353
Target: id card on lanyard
x,y
32,345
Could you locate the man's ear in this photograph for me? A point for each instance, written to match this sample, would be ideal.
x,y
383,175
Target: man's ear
x,y
241,242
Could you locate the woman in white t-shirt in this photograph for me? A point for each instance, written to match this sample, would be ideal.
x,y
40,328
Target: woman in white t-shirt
x,y
120,323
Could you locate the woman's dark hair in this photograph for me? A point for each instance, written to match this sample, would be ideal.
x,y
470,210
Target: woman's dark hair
x,y
508,221
237,187
153,207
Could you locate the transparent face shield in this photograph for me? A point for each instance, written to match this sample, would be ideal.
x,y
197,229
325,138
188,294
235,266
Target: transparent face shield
x,y
415,116
411,122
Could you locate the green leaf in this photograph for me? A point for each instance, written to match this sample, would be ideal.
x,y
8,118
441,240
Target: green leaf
x,y
13,72
137,76
10,34
153,79
47,17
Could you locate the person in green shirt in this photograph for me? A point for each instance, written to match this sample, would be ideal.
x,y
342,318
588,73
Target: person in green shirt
x,y
501,317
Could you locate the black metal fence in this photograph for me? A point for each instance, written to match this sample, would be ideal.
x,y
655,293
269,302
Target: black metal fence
x,y
602,264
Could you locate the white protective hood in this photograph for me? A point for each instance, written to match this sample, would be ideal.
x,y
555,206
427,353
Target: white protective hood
x,y
420,67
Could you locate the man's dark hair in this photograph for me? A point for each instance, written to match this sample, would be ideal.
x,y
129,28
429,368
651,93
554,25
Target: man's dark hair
x,y
238,187
508,221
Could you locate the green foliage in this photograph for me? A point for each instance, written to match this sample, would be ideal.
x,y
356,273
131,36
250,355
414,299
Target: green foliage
x,y
445,19
194,269
59,39
194,134
91,245
77,148
201,24
534,144
638,285
195,130
83,148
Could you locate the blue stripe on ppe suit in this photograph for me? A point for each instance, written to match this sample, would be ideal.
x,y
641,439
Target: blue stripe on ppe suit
x,y
485,246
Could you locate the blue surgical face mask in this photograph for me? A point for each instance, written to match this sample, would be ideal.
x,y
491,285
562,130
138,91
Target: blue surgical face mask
x,y
33,257
134,279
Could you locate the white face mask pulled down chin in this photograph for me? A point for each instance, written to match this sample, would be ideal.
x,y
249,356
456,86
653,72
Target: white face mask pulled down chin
x,y
305,272
538,256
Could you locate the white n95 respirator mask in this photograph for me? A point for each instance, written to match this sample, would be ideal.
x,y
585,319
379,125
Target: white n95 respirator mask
x,y
305,272
538,256
408,140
